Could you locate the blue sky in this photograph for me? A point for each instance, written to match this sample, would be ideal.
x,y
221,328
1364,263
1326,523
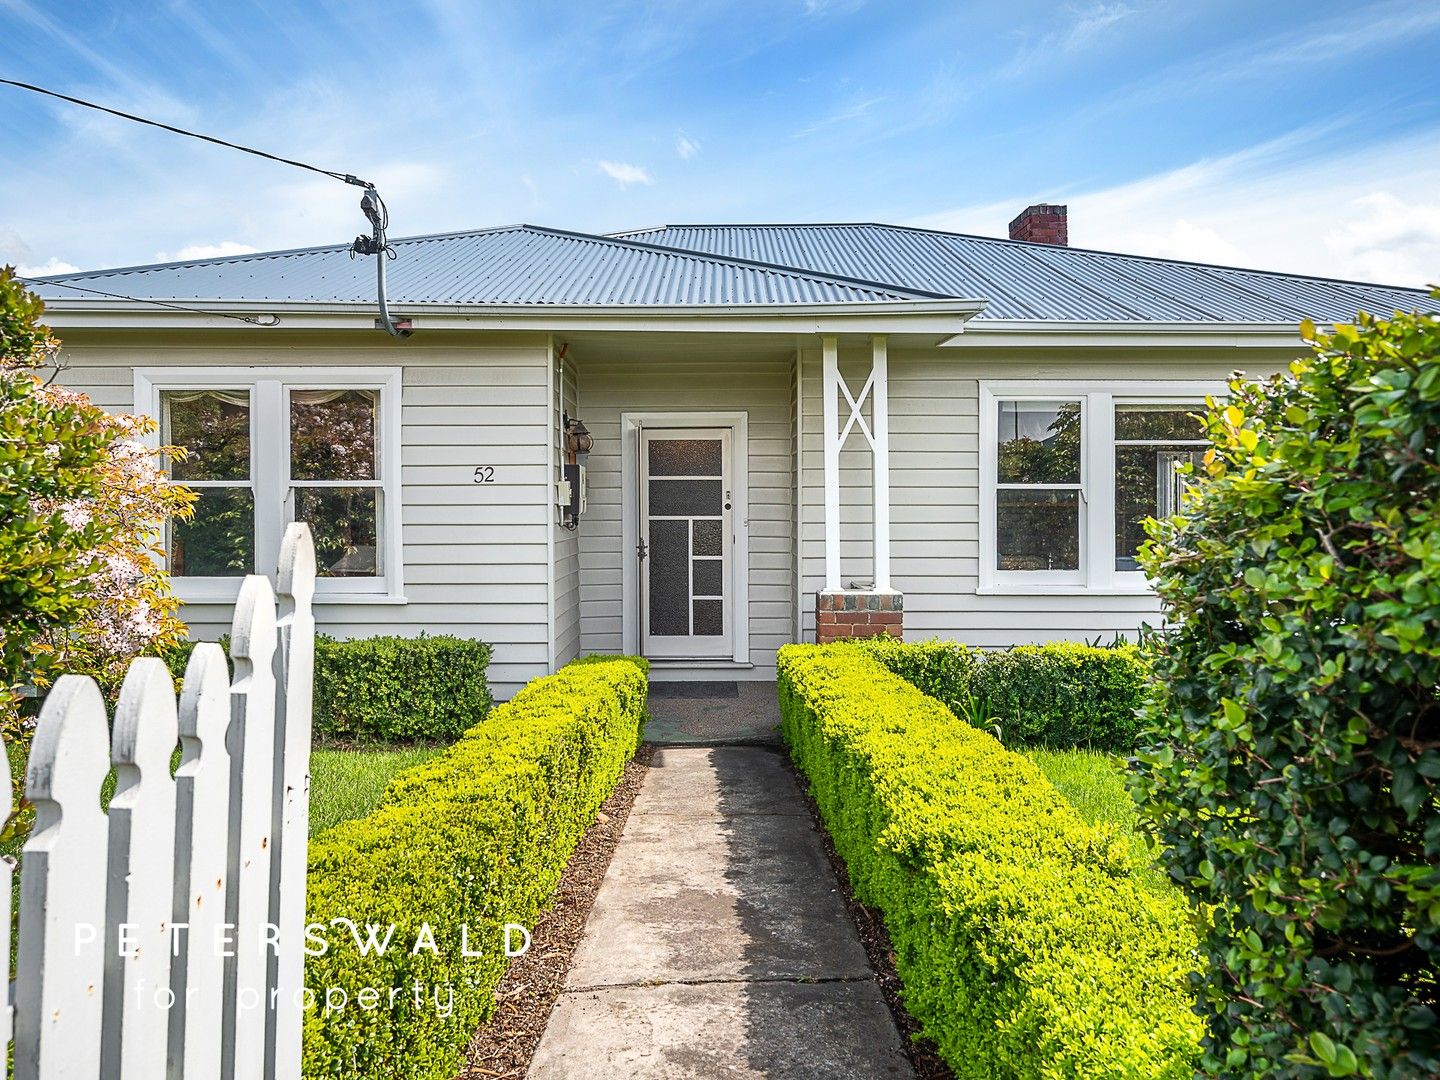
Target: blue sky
x,y
1293,136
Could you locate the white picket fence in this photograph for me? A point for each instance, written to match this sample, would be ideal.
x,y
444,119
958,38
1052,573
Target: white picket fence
x,y
148,935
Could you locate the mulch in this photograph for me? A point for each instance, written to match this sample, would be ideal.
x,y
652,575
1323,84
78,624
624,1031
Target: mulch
x,y
503,1047
924,1057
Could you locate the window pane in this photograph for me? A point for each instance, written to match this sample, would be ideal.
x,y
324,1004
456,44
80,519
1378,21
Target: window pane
x,y
214,426
219,541
708,576
709,618
1039,442
346,526
1146,485
1157,422
332,434
709,538
684,457
1037,529
686,498
669,569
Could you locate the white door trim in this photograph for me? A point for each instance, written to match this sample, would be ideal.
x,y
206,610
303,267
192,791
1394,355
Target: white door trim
x,y
630,425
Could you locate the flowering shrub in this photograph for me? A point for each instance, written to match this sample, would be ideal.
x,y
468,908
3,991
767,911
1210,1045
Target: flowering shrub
x,y
82,503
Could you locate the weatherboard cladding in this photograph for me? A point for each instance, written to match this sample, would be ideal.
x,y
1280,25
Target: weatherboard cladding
x,y
519,265
1041,281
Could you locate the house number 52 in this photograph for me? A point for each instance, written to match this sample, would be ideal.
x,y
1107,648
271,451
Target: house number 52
x,y
484,474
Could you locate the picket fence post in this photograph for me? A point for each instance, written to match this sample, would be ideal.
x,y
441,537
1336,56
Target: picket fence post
x,y
202,806
125,967
60,964
294,673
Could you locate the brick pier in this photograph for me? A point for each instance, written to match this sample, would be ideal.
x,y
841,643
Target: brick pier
x,y
858,614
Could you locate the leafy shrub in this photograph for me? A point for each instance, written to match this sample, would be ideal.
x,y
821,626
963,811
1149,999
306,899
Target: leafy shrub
x,y
1295,786
1058,695
1025,943
395,688
390,689
475,838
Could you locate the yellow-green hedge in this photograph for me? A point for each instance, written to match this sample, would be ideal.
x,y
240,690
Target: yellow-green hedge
x,y
1025,944
476,837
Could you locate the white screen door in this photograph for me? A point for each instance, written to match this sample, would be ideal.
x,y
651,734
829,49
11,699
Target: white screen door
x,y
686,595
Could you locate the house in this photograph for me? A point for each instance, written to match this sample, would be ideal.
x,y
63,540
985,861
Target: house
x,y
866,425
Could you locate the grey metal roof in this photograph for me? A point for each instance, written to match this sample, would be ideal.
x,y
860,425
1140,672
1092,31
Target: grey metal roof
x,y
517,265
1040,281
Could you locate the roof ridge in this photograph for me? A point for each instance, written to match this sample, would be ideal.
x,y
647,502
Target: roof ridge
x,y
249,256
1098,252
784,268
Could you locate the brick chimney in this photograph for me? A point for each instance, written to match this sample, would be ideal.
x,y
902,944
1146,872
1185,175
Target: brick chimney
x,y
1041,224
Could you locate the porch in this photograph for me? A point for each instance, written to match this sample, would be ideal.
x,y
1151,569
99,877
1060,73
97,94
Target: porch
x,y
731,480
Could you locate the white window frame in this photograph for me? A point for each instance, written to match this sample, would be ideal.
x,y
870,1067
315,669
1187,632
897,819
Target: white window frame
x,y
1097,574
269,389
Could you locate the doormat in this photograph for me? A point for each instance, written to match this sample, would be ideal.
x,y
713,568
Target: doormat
x,y
694,689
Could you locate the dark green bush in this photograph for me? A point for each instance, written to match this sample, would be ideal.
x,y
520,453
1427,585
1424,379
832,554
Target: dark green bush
x,y
474,838
395,688
1295,780
1025,943
390,689
1058,695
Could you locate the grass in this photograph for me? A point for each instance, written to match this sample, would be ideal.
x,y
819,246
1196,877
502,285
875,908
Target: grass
x,y
346,784
1094,783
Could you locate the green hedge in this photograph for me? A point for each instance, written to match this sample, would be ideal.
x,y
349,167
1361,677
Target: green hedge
x,y
396,688
1058,695
390,689
475,838
1025,944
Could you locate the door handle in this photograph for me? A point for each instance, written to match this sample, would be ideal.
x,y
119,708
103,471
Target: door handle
x,y
640,551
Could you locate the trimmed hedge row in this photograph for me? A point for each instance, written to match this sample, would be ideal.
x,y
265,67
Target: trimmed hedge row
x,y
1024,943
1058,695
471,840
396,688
390,689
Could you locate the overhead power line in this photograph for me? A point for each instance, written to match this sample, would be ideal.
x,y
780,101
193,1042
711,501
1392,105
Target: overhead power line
x,y
347,178
252,320
371,204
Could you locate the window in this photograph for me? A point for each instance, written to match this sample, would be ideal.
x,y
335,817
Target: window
x,y
1152,442
1069,473
269,446
1038,472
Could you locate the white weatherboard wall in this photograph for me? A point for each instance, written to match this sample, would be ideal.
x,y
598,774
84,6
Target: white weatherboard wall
x,y
476,560
567,541
689,380
935,487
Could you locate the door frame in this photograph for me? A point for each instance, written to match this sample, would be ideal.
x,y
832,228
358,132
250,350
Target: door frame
x,y
630,426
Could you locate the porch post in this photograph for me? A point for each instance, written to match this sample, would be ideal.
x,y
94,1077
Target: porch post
x,y
880,458
830,389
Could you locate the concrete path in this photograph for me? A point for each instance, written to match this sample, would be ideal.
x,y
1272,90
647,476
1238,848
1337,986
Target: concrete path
x,y
713,714
719,945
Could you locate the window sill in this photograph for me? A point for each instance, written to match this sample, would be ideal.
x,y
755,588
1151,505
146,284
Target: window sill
x,y
228,595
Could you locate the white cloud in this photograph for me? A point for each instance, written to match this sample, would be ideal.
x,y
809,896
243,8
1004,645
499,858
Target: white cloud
x,y
832,7
624,174
686,147
846,114
205,251
1371,215
1085,28
48,268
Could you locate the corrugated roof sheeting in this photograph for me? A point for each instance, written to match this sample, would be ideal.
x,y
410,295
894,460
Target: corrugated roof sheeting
x,y
521,265
1037,281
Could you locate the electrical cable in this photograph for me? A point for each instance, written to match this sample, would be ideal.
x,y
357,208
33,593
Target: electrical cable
x,y
141,300
347,178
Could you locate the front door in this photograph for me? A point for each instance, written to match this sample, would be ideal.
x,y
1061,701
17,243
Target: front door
x,y
687,537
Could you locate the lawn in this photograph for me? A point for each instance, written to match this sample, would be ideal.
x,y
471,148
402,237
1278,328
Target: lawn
x,y
1095,785
346,784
